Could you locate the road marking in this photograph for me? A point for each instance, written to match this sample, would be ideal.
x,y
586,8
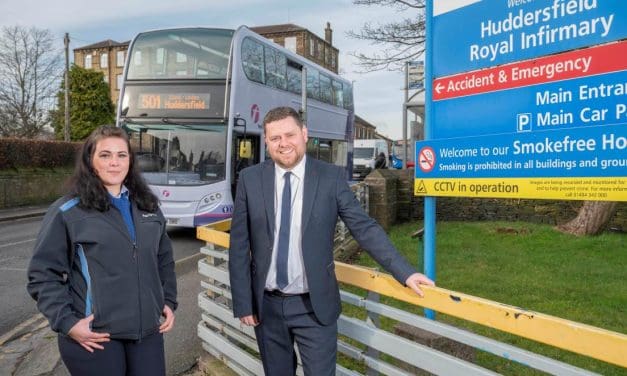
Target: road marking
x,y
14,269
16,243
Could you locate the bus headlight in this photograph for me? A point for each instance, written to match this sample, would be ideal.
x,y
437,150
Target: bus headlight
x,y
209,202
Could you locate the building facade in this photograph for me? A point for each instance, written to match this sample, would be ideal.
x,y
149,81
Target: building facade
x,y
304,43
363,129
107,57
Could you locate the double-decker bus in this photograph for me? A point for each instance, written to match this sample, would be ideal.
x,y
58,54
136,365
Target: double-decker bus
x,y
193,101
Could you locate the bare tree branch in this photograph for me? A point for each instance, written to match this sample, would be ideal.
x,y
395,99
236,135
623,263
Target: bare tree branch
x,y
400,41
399,4
30,69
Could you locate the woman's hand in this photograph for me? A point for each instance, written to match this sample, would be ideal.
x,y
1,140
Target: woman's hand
x,y
81,333
168,323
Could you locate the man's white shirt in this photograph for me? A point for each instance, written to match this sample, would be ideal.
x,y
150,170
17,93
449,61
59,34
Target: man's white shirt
x,y
297,280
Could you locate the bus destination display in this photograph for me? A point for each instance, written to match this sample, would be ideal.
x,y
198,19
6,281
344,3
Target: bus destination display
x,y
151,101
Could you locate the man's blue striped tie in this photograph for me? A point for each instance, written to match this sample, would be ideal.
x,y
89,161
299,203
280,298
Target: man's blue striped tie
x,y
284,233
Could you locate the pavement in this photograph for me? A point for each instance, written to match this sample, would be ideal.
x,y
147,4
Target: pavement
x,y
14,214
30,349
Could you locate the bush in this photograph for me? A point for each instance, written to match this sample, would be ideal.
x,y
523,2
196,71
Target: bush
x,y
21,153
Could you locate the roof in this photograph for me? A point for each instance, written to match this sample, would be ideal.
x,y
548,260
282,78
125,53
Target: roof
x,y
282,28
364,122
104,44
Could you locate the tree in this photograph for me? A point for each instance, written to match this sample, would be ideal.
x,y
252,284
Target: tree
x,y
592,218
90,104
401,41
30,67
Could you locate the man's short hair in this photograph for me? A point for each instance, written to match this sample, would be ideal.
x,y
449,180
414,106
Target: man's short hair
x,y
280,113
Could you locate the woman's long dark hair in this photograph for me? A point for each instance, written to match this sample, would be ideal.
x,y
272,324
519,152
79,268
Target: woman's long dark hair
x,y
87,186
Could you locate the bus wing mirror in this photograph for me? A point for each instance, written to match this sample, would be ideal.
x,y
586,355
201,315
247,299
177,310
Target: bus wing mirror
x,y
245,149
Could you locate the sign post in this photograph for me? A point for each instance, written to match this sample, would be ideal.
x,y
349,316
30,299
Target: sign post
x,y
415,75
524,99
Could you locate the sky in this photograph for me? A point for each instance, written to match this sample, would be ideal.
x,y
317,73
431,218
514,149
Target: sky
x,y
378,95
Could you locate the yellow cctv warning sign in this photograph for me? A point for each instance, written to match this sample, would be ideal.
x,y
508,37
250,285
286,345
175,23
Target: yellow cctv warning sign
x,y
597,189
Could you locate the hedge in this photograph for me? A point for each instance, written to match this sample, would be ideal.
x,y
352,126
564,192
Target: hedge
x,y
18,153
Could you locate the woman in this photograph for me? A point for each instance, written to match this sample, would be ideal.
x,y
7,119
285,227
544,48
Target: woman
x,y
102,271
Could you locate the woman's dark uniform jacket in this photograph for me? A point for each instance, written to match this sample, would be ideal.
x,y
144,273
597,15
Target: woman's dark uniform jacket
x,y
85,261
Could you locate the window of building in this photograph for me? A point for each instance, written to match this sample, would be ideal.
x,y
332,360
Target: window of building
x,y
137,59
120,59
327,55
106,79
104,60
87,61
333,59
119,81
312,51
290,44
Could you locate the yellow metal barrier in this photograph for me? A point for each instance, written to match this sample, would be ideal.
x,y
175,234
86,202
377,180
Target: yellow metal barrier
x,y
580,338
216,233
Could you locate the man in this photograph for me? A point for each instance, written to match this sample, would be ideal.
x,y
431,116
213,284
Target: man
x,y
380,161
281,253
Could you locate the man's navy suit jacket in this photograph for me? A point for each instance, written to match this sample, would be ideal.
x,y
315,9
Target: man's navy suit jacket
x,y
326,196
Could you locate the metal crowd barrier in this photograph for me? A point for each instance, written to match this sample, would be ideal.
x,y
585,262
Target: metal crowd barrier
x,y
363,340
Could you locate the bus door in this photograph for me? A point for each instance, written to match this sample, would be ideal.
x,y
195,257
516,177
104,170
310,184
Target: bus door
x,y
246,154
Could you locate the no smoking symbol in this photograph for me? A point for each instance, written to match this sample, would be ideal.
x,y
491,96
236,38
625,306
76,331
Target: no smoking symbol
x,y
426,159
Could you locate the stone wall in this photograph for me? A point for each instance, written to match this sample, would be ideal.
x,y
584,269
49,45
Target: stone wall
x,y
388,207
31,188
392,200
382,186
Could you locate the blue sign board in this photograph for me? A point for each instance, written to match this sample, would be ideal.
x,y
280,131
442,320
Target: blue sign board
x,y
541,136
587,151
588,101
489,33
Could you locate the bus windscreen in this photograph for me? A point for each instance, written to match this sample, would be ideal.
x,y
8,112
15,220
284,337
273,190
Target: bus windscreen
x,y
179,154
180,54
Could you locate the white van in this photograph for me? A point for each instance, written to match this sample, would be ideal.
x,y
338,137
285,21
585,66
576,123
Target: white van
x,y
365,154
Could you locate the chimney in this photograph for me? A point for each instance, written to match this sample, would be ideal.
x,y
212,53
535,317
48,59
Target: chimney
x,y
328,34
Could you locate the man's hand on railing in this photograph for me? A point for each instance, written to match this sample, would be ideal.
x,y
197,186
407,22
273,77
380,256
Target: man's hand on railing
x,y
250,320
415,280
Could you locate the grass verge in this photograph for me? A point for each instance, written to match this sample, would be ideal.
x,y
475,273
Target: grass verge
x,y
527,265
